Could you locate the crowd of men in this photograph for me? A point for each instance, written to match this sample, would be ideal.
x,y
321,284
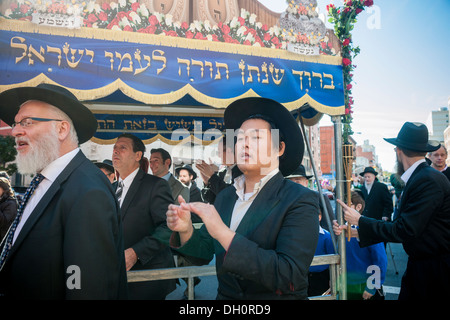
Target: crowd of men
x,y
81,226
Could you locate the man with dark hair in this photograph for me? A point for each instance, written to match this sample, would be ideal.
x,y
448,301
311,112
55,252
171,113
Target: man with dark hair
x,y
143,200
160,162
423,220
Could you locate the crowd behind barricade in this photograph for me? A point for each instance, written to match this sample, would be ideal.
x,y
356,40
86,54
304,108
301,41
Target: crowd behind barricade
x,y
80,227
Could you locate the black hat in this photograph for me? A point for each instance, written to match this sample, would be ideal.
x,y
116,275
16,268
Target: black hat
x,y
240,110
83,120
188,168
107,164
414,136
299,172
368,170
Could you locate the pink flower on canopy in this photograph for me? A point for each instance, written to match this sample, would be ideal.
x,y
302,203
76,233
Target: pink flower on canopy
x,y
346,61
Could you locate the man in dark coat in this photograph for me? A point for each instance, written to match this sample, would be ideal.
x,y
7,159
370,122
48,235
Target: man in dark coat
x,y
423,220
263,229
67,243
376,195
143,200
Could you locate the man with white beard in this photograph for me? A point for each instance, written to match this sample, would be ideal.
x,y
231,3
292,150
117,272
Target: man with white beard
x,y
66,241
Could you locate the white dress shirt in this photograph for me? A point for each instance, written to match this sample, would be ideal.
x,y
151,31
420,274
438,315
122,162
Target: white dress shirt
x,y
245,200
126,184
50,172
407,174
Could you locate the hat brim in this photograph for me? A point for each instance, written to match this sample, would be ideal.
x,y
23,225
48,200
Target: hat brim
x,y
191,171
239,111
83,120
105,165
429,147
298,176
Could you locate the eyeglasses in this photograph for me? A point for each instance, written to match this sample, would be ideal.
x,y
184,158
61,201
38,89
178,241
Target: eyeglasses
x,y
26,122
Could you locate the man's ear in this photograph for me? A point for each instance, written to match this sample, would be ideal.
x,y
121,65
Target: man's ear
x,y
281,148
358,207
63,130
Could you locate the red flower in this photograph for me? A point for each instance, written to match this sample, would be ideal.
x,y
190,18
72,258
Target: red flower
x,y
189,35
127,28
267,37
24,8
135,6
92,18
185,26
241,21
349,86
103,16
358,10
171,33
330,7
153,20
225,29
346,61
346,42
368,3
106,6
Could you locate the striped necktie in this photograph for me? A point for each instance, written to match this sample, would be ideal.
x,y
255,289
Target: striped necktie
x,y
119,191
10,235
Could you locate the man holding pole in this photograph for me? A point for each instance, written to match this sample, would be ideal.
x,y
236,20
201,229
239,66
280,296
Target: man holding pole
x,y
423,220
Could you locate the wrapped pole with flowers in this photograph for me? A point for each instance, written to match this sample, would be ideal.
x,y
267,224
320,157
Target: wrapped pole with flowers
x,y
344,19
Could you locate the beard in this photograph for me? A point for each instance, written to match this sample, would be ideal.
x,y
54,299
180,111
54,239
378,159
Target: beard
x,y
400,168
43,152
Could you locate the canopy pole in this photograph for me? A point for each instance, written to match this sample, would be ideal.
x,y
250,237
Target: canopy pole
x,y
339,195
322,200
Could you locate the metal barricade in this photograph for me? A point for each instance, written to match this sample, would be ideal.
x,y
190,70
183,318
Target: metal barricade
x,y
190,273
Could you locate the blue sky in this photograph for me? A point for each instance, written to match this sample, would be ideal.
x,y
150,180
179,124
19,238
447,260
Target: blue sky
x,y
403,71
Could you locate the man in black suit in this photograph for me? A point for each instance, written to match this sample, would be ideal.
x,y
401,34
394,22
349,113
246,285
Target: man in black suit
x,y
263,229
423,220
187,176
143,200
67,241
376,195
160,163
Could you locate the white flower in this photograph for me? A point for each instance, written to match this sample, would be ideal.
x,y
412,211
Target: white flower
x,y
197,26
122,3
252,19
234,23
116,27
259,25
207,25
249,37
136,18
240,32
209,37
143,10
124,22
97,8
8,12
169,20
113,5
244,13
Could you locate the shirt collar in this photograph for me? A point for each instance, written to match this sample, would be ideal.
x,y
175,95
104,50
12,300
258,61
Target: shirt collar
x,y
166,176
52,171
239,184
405,176
129,179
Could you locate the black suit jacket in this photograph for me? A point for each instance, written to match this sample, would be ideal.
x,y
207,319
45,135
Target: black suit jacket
x,y
422,226
423,220
274,244
76,223
378,203
145,230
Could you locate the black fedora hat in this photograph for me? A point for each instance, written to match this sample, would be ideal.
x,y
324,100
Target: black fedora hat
x,y
240,110
83,120
414,136
299,172
107,164
368,170
188,168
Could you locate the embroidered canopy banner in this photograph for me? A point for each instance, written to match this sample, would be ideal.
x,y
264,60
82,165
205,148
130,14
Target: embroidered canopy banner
x,y
163,70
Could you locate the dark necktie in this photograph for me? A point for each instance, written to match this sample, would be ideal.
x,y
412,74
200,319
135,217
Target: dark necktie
x,y
119,191
10,235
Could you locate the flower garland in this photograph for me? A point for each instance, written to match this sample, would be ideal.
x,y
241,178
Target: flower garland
x,y
344,19
132,16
